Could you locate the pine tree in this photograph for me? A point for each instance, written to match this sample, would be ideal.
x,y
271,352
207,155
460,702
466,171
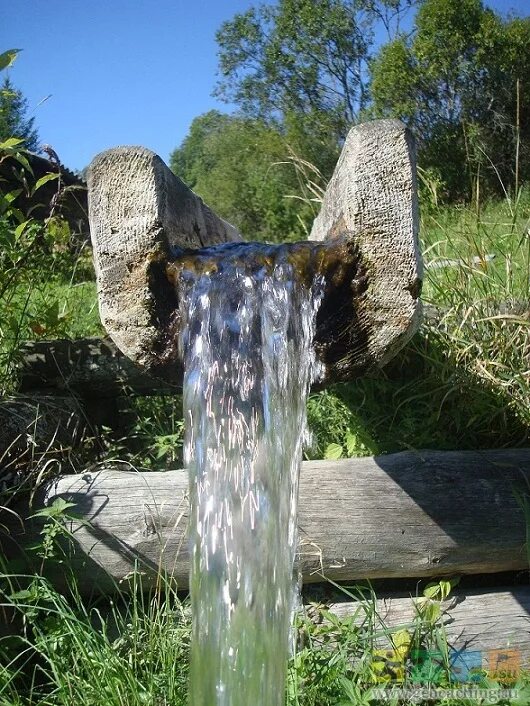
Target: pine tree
x,y
14,121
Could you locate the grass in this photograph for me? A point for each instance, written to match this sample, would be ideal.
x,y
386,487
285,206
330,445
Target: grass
x,y
132,650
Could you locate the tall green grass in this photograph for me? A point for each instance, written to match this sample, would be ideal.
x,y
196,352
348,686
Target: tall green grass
x,y
133,650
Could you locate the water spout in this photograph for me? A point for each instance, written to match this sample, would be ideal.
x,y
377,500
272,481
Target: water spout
x,y
247,328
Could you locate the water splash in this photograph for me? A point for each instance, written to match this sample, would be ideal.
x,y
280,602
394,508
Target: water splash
x,y
247,323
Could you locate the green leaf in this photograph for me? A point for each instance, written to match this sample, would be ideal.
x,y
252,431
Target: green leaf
x,y
351,443
19,230
432,590
44,180
8,57
333,452
21,595
11,142
57,508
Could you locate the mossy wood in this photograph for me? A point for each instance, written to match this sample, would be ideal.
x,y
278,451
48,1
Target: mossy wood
x,y
425,513
145,222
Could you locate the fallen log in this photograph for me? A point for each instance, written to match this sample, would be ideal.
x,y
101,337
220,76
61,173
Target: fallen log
x,y
425,513
145,221
92,368
492,621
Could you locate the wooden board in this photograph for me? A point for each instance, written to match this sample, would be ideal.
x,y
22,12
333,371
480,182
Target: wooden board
x,y
425,513
496,619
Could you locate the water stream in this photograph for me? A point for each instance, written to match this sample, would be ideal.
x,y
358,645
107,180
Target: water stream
x,y
247,322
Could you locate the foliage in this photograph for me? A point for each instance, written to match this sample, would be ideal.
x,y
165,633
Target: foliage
x,y
303,63
14,119
41,277
240,167
460,81
133,649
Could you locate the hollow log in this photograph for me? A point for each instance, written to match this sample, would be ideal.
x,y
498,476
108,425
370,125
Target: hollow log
x,y
145,221
492,621
424,513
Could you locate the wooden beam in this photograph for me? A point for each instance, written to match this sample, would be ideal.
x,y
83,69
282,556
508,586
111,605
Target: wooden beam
x,y
486,620
92,368
424,513
372,195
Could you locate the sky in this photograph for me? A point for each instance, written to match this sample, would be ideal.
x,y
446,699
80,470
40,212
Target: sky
x,y
102,73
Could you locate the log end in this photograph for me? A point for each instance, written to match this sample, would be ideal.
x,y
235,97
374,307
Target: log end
x,y
139,212
372,196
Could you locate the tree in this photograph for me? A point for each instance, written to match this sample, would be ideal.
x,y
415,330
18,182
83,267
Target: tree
x,y
303,65
240,167
14,120
456,83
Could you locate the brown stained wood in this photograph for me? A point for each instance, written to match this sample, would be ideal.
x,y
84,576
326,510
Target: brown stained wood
x,y
425,513
487,620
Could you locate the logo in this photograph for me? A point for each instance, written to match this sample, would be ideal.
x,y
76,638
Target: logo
x,y
431,667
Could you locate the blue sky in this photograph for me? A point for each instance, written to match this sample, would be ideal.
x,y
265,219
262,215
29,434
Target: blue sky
x,y
121,71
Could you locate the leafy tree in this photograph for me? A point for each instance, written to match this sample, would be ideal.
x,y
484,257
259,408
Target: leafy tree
x,y
14,121
303,64
456,83
240,167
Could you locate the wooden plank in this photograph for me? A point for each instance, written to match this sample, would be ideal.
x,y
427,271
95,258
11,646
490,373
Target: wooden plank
x,y
425,513
485,620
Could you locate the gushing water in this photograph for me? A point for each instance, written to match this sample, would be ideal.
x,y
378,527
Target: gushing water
x,y
247,323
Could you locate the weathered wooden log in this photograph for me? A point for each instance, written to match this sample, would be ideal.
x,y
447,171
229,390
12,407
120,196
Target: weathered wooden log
x,y
93,368
425,513
372,193
139,211
491,621
140,214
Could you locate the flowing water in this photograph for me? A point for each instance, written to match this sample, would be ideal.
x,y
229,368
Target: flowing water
x,y
247,322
